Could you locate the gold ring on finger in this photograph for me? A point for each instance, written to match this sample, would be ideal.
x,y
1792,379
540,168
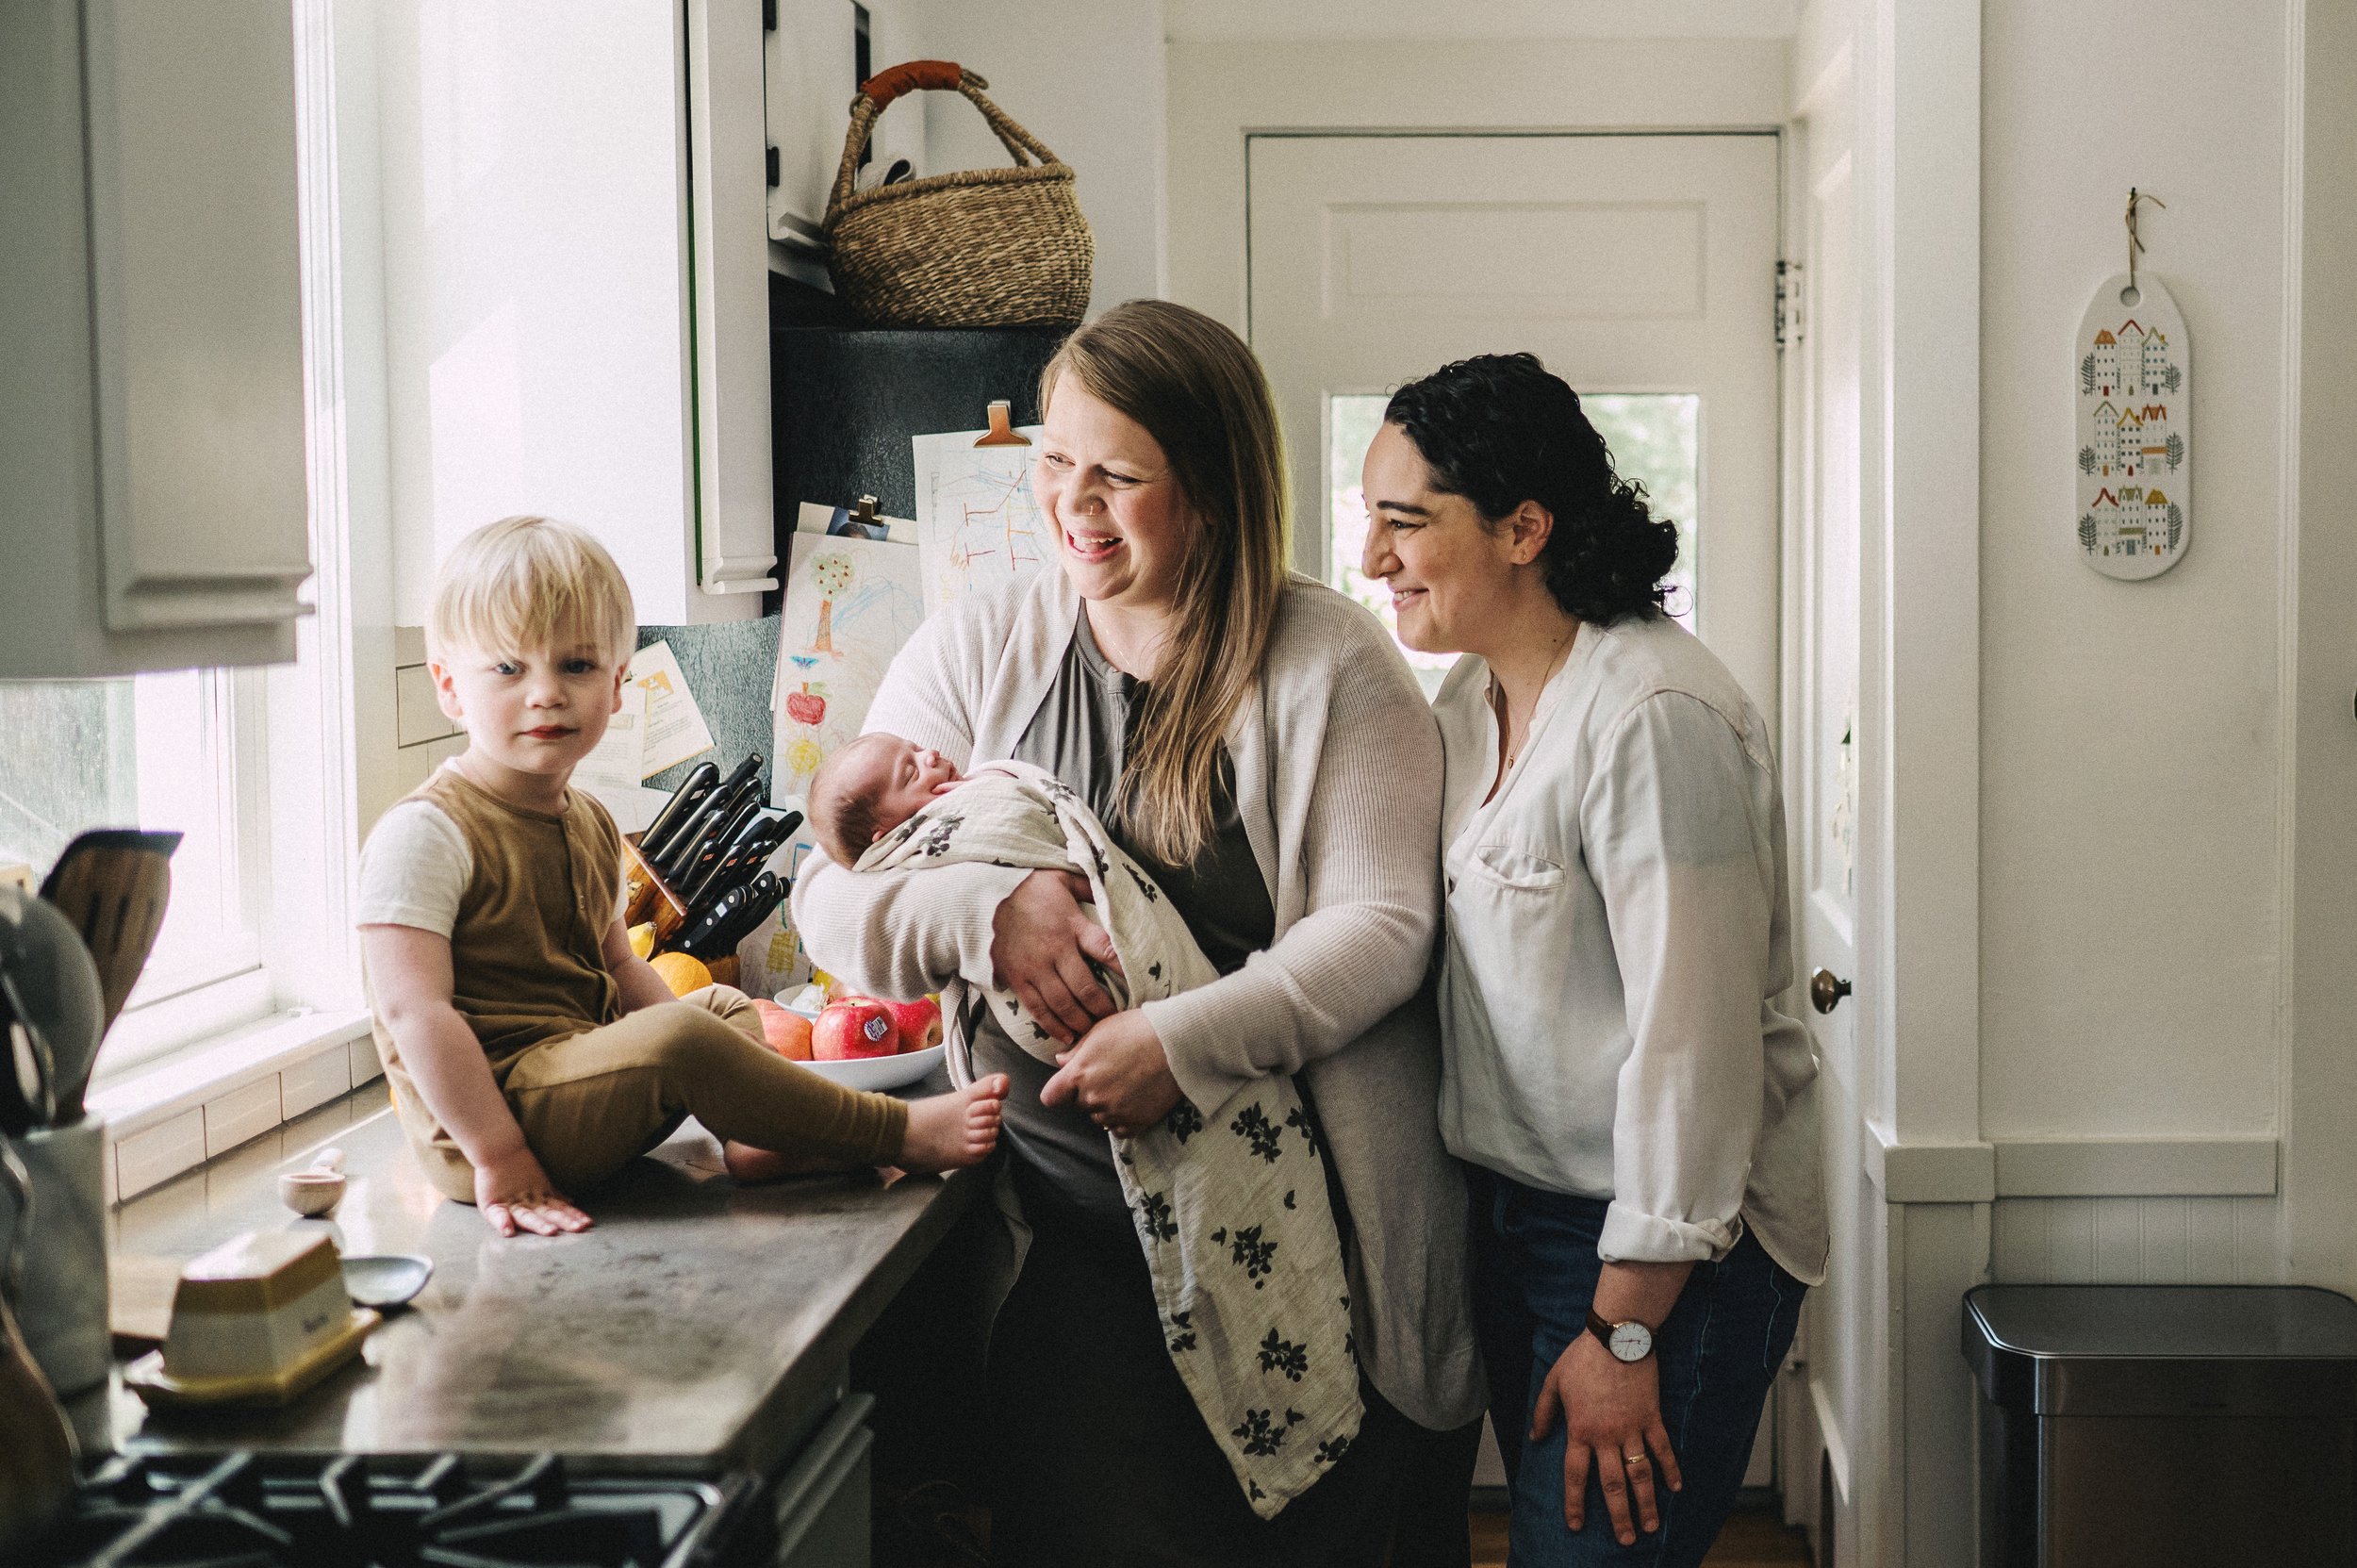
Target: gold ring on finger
x,y
1633,1459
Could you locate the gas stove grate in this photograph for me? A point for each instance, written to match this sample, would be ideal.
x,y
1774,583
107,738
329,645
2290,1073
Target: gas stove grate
x,y
255,1510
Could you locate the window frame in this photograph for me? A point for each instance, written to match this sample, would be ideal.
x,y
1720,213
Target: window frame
x,y
294,729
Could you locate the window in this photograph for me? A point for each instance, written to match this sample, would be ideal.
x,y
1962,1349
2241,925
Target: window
x,y
172,751
253,768
1654,437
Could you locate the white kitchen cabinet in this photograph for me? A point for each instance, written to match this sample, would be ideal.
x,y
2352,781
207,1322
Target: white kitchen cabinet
x,y
810,66
154,508
576,305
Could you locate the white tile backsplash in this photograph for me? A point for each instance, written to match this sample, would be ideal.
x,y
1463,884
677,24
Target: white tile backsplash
x,y
242,1113
418,717
161,1152
303,1085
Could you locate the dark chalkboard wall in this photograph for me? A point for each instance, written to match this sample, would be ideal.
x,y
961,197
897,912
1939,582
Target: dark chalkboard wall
x,y
843,404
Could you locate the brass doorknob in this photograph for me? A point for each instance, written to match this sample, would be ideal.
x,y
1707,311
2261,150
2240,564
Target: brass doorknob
x,y
1826,989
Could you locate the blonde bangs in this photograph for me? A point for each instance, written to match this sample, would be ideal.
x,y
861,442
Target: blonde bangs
x,y
530,583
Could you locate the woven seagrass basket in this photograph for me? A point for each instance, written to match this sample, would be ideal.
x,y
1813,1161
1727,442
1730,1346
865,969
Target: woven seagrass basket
x,y
984,247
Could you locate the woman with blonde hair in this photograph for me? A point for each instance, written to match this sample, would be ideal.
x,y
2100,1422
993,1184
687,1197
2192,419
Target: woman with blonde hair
x,y
1256,741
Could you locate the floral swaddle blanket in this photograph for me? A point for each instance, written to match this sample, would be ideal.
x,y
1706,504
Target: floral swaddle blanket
x,y
1231,1206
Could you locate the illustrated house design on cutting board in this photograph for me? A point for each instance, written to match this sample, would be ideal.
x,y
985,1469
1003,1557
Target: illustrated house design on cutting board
x,y
2134,458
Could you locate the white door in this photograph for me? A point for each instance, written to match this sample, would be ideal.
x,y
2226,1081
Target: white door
x,y
1822,758
1641,267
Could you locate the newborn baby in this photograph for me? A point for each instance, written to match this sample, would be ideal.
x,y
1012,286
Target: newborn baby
x,y
871,787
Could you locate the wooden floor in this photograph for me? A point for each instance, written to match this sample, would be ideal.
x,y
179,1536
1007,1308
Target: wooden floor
x,y
1752,1540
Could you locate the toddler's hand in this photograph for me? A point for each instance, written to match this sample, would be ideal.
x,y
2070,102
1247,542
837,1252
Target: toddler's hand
x,y
515,1193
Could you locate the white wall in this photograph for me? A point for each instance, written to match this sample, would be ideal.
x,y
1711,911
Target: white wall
x,y
2129,972
2129,768
1086,78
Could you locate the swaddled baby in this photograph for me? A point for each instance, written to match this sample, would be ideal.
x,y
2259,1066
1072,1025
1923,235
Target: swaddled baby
x,y
1229,1200
871,787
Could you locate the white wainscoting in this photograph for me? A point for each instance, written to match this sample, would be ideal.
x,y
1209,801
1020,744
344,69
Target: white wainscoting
x,y
2151,1241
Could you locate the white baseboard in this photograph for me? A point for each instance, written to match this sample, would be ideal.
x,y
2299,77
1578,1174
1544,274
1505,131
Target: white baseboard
x,y
2135,1167
1984,1171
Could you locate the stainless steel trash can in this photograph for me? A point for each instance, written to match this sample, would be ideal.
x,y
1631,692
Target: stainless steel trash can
x,y
2149,1425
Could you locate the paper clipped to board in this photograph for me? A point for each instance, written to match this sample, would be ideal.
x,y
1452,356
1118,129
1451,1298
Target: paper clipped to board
x,y
674,729
850,604
978,524
854,523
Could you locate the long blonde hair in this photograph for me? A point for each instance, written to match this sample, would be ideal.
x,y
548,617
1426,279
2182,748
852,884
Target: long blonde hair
x,y
1195,387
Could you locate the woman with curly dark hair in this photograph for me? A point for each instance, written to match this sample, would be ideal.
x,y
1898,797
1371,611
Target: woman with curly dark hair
x,y
1637,1116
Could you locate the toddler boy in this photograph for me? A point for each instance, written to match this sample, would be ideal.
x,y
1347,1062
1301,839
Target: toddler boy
x,y
530,1053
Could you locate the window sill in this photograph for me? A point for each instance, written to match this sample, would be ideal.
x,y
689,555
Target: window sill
x,y
175,1114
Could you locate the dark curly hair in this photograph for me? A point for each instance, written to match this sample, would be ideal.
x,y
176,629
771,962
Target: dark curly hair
x,y
1499,430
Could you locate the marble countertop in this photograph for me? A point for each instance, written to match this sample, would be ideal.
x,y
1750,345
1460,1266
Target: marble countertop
x,y
700,1325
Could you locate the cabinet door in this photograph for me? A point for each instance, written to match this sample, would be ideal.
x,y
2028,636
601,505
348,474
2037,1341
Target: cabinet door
x,y
736,541
568,330
196,302
230,404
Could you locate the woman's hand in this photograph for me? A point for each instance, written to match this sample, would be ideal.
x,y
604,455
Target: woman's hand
x,y
514,1192
1041,945
1119,1075
1613,1415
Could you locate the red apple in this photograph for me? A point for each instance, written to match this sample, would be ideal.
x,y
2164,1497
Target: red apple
x,y
853,1029
919,1021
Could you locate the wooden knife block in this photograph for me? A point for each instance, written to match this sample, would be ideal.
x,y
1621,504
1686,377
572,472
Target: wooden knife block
x,y
653,899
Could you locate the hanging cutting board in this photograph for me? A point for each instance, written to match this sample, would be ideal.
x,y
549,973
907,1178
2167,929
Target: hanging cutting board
x,y
2133,370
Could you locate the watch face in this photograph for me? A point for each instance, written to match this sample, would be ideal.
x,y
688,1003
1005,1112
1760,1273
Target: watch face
x,y
1631,1342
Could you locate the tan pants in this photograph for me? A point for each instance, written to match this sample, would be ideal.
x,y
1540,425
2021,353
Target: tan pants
x,y
590,1103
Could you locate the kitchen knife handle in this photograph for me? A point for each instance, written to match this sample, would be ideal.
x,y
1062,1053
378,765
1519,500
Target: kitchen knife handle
x,y
680,857
677,809
696,875
663,837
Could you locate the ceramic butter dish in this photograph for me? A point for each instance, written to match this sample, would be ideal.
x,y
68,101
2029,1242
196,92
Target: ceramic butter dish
x,y
260,1318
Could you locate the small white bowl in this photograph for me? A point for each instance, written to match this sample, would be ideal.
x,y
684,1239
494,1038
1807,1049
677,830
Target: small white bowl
x,y
881,1072
311,1191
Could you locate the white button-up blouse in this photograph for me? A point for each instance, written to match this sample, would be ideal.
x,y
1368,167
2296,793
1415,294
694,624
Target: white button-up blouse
x,y
1618,934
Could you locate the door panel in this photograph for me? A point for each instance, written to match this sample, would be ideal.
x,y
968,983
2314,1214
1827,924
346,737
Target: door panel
x,y
1641,267
1630,264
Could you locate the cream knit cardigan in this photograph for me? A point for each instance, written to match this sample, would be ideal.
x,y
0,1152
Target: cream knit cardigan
x,y
1338,781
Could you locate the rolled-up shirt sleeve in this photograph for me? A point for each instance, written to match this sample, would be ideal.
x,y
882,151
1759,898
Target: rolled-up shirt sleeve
x,y
1668,824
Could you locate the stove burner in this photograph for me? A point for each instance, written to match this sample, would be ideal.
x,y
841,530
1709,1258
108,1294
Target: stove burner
x,y
250,1511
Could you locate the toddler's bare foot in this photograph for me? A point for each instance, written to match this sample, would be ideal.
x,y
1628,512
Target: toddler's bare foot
x,y
957,1129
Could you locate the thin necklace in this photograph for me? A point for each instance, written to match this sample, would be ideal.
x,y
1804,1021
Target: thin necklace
x,y
1554,664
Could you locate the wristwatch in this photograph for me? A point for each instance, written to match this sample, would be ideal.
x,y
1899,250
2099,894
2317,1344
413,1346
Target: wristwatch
x,y
1628,1342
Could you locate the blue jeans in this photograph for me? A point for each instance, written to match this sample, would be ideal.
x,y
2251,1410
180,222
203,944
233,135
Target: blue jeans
x,y
1535,1273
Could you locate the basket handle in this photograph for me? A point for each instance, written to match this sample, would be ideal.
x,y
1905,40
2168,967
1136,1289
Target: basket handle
x,y
925,76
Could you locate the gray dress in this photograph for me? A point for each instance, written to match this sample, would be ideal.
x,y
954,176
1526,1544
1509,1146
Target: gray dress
x,y
1081,735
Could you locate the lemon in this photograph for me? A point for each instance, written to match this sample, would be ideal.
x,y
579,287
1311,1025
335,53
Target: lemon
x,y
681,972
642,938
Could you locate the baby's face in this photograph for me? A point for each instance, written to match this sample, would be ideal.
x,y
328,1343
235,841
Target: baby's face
x,y
901,776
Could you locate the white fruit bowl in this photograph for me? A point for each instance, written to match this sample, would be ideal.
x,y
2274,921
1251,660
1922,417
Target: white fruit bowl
x,y
881,1072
